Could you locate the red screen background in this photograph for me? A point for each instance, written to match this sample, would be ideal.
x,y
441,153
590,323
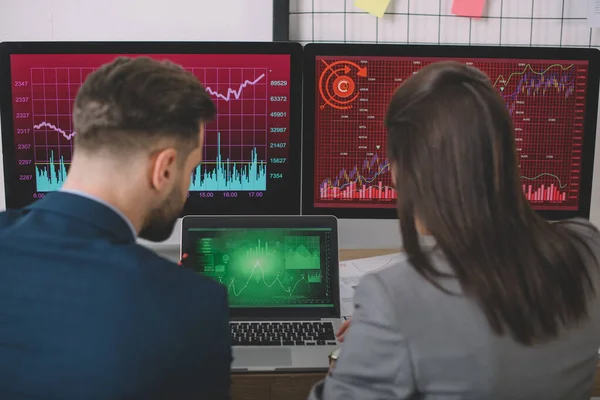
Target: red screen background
x,y
545,98
240,86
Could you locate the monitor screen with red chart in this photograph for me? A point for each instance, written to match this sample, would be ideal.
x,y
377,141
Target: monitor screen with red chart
x,y
250,162
552,101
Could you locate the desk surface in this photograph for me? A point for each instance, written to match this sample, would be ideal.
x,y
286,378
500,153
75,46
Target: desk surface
x,y
364,253
284,386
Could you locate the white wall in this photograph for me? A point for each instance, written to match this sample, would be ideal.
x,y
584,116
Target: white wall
x,y
155,20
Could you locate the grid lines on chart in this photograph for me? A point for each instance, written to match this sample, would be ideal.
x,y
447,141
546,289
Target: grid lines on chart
x,y
350,153
53,92
235,141
242,110
241,96
544,100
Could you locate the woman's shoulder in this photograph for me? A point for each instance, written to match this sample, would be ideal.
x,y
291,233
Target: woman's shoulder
x,y
582,228
578,222
393,272
401,281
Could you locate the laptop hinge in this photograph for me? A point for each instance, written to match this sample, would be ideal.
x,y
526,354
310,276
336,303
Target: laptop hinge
x,y
274,319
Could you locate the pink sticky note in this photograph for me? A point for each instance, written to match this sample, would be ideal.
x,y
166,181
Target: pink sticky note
x,y
468,8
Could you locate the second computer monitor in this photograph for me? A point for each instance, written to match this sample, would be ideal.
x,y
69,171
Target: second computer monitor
x,y
551,94
252,147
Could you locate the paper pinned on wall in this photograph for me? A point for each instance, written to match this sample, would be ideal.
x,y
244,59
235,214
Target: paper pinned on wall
x,y
593,13
468,8
373,7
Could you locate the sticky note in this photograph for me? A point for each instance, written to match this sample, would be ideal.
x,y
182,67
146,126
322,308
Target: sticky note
x,y
468,8
373,7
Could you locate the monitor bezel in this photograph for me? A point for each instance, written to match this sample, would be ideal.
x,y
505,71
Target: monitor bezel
x,y
273,221
312,50
295,51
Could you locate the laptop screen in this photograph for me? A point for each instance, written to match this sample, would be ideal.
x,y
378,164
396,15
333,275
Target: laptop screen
x,y
267,267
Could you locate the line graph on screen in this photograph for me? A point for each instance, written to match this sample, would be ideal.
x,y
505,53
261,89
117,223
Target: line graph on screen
x,y
546,101
289,287
236,141
262,266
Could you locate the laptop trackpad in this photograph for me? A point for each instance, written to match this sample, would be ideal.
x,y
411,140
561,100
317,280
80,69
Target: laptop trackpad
x,y
265,357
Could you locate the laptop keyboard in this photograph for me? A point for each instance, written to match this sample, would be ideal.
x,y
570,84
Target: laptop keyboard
x,y
282,334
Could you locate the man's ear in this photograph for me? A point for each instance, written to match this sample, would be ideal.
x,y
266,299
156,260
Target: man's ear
x,y
162,168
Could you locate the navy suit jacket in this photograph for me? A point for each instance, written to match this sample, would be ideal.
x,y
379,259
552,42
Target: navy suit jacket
x,y
86,313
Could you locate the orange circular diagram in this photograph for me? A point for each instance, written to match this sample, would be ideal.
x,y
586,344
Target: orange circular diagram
x,y
337,84
343,86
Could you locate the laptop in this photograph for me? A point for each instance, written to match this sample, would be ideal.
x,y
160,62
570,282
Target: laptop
x,y
282,278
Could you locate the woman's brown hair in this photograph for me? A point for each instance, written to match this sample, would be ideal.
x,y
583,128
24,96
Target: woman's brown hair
x,y
451,145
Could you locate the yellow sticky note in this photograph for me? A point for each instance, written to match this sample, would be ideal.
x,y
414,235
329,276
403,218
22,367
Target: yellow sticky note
x,y
373,7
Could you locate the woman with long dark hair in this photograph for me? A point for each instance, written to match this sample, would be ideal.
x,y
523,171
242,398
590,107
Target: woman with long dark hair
x,y
491,301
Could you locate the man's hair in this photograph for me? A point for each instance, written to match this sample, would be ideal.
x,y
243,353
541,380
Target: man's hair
x,y
132,103
451,143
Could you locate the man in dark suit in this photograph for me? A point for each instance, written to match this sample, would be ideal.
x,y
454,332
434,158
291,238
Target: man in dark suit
x,y
85,312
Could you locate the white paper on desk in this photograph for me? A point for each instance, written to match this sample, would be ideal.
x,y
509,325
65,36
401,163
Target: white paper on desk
x,y
352,271
593,13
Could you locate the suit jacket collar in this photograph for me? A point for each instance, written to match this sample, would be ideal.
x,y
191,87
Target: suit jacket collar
x,y
86,210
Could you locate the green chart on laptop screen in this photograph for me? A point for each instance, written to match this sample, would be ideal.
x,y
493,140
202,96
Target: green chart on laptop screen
x,y
267,267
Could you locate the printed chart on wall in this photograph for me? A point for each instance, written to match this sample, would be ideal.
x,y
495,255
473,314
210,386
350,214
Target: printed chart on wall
x,y
545,98
266,267
246,145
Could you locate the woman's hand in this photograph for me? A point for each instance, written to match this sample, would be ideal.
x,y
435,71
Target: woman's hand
x,y
343,329
331,365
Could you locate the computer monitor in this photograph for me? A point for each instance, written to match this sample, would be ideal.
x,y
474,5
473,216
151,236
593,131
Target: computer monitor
x,y
252,148
552,95
269,264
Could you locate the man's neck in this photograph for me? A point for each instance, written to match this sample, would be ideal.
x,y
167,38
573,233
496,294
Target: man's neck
x,y
109,197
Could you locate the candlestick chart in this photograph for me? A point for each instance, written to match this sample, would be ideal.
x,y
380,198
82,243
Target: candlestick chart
x,y
363,181
545,99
